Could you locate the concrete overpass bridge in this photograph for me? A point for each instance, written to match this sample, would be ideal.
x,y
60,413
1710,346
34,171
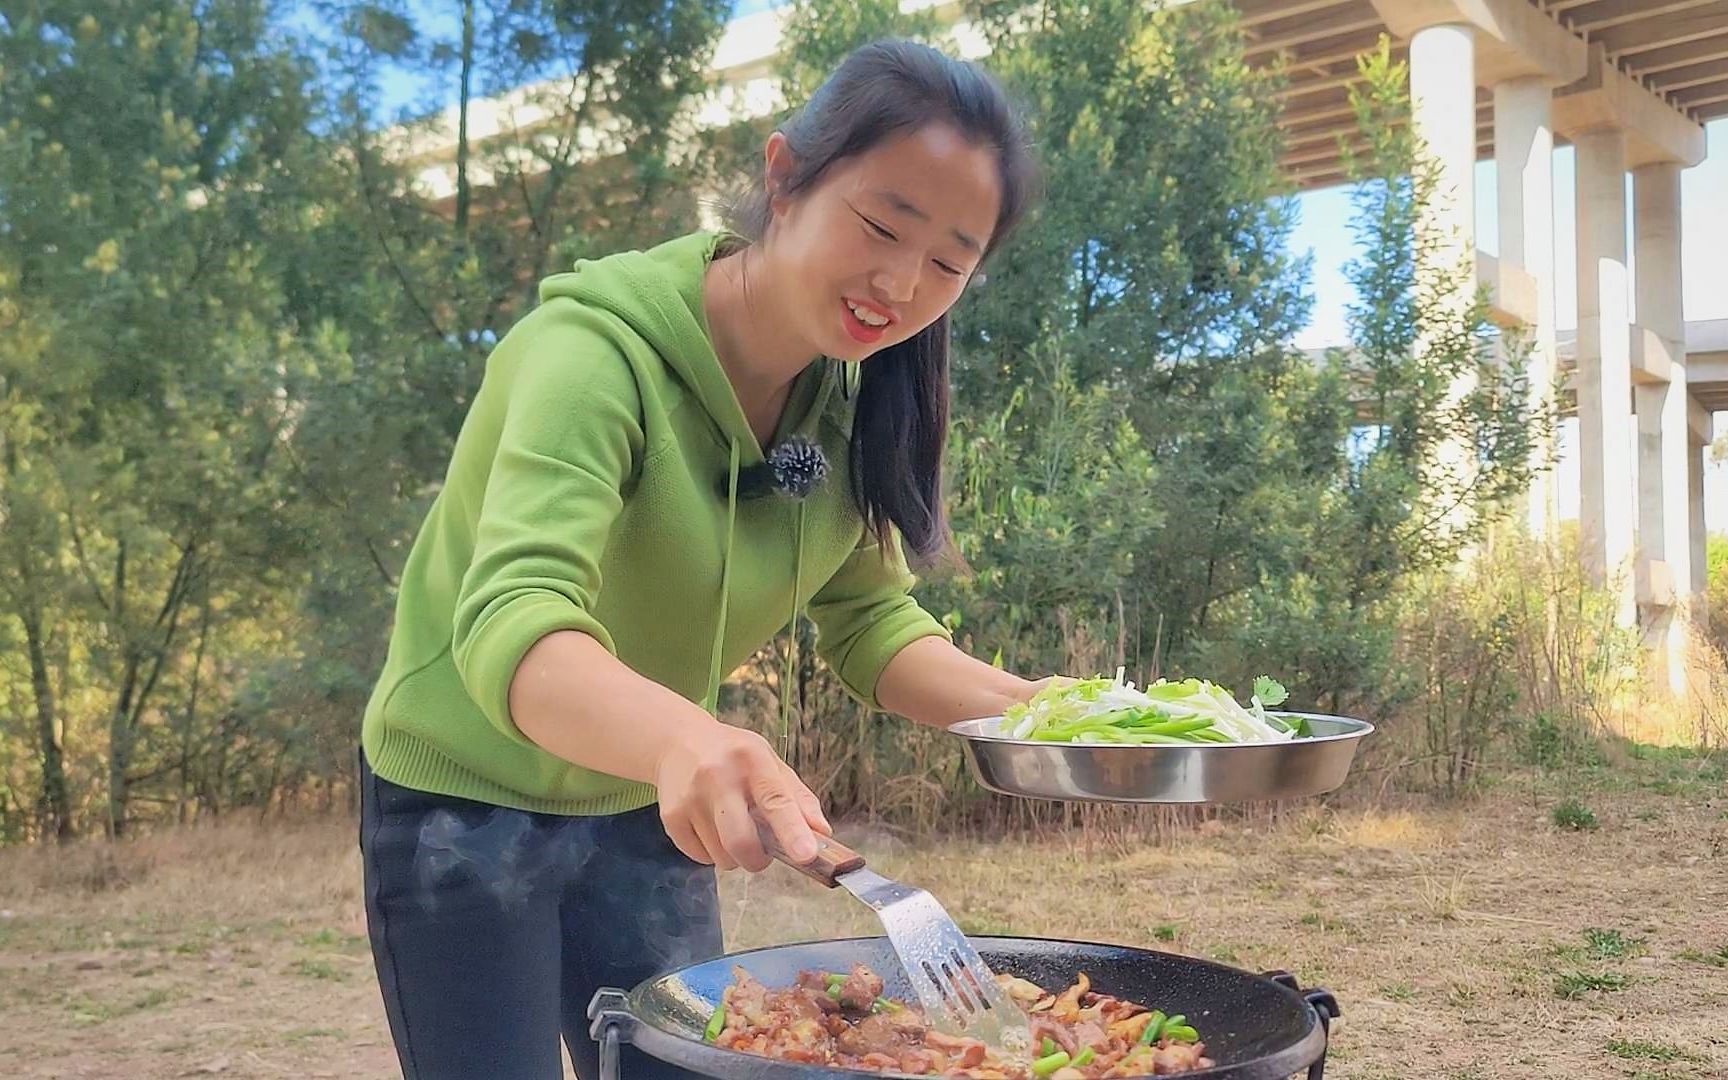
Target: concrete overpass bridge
x,y
1628,83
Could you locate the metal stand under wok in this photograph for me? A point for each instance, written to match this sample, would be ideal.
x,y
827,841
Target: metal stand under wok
x,y
1256,1027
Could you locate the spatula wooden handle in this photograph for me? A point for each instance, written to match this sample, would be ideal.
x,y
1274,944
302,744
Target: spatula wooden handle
x,y
832,858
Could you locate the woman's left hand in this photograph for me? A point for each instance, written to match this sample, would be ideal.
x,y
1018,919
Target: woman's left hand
x,y
1034,686
932,682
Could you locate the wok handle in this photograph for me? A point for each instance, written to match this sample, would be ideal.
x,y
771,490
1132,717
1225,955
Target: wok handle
x,y
611,1025
609,1054
1325,1007
832,857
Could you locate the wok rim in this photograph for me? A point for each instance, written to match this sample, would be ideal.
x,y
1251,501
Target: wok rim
x,y
689,1052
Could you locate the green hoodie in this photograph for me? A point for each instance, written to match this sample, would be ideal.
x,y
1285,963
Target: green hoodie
x,y
593,487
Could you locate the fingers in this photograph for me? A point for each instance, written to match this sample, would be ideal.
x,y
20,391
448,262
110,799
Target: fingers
x,y
784,816
808,803
737,832
684,838
703,823
734,803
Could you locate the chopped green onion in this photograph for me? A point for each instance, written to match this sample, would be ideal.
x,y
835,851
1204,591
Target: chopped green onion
x,y
716,1022
1048,1048
1150,1034
1044,1066
1113,710
1084,1057
1181,1033
833,980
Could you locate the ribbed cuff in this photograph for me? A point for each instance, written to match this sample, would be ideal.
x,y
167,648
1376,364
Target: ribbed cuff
x,y
495,650
862,668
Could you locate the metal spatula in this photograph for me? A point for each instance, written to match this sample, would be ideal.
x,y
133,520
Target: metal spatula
x,y
958,991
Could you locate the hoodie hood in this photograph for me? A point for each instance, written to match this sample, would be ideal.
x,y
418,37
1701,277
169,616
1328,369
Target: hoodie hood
x,y
658,292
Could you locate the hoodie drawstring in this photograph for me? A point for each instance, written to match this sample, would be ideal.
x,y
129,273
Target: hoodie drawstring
x,y
712,701
792,649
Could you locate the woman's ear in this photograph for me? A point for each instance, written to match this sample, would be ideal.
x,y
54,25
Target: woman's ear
x,y
776,170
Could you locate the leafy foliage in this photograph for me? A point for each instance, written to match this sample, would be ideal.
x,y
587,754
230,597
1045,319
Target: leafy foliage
x,y
242,315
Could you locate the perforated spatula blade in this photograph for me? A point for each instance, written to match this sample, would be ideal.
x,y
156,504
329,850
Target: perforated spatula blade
x,y
956,988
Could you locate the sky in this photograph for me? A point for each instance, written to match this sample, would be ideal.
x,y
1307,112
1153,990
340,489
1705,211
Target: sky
x,y
1322,230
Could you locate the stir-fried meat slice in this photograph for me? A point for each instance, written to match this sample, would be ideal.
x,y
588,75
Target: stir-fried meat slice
x,y
1090,1033
963,1053
1067,1007
816,983
883,1033
1044,1027
1177,1058
1026,994
861,989
842,1021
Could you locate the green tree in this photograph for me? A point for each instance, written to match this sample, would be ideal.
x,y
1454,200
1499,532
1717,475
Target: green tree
x,y
819,34
572,131
149,155
1370,512
1160,252
1045,500
1160,263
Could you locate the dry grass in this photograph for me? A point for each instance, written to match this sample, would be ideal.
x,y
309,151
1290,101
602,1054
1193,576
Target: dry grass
x,y
1465,941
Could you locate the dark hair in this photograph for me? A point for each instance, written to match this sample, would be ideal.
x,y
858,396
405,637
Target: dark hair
x,y
882,90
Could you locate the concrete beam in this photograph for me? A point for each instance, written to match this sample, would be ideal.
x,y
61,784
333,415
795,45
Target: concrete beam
x,y
1513,39
1524,282
1698,588
1654,356
1301,31
1606,98
1604,381
1641,64
1663,439
1698,97
1704,74
1702,20
1706,367
1654,582
1252,15
1512,291
1600,15
1707,336
1443,116
1700,423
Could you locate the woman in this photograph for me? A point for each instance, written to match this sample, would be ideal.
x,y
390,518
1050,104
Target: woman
x,y
546,789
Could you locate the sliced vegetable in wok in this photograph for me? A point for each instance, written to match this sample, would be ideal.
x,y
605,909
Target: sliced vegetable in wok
x,y
1184,713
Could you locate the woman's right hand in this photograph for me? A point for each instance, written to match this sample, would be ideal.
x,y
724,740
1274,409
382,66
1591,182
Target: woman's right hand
x,y
716,783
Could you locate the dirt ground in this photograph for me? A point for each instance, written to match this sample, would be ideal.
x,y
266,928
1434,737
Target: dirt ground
x,y
1464,941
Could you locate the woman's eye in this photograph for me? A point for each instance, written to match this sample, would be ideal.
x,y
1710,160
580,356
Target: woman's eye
x,y
946,269
879,230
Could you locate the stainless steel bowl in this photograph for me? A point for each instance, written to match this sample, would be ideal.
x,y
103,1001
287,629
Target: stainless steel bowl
x,y
1202,773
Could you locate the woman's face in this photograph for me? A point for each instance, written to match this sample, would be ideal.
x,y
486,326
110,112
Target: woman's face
x,y
885,242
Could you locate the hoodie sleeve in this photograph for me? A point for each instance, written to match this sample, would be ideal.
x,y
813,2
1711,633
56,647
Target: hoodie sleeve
x,y
568,443
865,614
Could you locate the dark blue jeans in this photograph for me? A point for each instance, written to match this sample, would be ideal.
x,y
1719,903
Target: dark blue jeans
x,y
491,929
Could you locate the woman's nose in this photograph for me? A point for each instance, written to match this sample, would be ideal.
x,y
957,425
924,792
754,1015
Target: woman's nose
x,y
896,280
